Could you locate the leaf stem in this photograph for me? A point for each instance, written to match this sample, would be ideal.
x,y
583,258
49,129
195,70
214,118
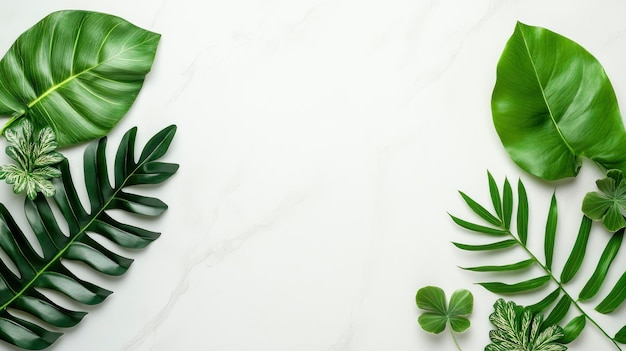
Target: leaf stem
x,y
454,339
560,285
12,120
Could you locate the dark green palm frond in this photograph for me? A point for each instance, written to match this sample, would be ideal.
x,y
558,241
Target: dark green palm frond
x,y
557,302
20,291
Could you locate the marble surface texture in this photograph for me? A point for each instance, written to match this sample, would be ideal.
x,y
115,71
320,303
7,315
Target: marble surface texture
x,y
321,144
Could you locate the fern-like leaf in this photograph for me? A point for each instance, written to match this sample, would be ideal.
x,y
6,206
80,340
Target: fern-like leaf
x,y
517,329
20,291
500,227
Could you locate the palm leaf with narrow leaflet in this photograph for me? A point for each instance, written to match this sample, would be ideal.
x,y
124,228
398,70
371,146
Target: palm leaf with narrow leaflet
x,y
577,255
559,311
615,298
545,302
550,232
479,210
556,313
527,285
602,269
495,195
478,228
522,213
487,247
507,204
20,291
502,268
573,329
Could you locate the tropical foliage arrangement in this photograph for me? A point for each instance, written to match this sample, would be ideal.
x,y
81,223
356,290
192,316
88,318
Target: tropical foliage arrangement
x,y
68,80
552,105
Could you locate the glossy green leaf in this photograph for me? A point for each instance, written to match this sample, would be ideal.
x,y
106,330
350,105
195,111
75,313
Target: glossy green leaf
x,y
541,306
559,311
550,232
487,247
44,309
522,213
572,330
78,72
620,336
507,204
438,313
47,271
527,285
615,298
480,210
478,228
495,195
25,334
553,104
575,259
597,278
503,268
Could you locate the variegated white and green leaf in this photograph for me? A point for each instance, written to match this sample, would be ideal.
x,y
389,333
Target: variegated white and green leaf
x,y
35,157
517,329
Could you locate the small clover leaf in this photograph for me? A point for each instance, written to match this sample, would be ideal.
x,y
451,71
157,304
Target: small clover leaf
x,y
517,329
608,205
35,157
438,313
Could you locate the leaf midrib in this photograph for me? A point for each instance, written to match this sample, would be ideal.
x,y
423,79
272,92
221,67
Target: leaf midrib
x,y
82,231
57,86
543,95
69,79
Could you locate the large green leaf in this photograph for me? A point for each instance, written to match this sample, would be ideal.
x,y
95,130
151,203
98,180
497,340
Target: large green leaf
x,y
553,104
21,291
76,71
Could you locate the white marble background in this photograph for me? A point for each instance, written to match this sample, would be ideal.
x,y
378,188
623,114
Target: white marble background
x,y
321,146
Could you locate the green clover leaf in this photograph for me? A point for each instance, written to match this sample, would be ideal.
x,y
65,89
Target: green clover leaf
x,y
438,313
608,205
34,154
